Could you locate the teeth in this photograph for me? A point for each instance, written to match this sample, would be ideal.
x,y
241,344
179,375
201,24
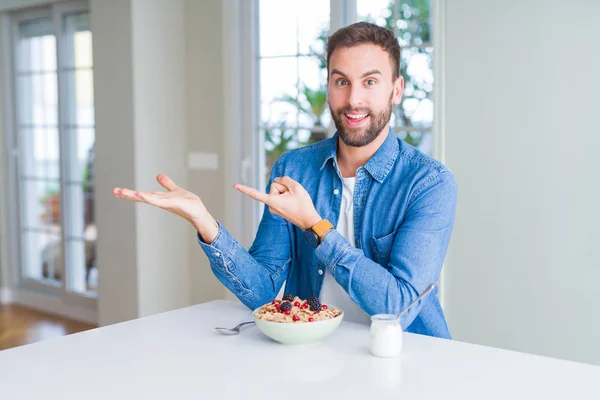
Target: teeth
x,y
356,116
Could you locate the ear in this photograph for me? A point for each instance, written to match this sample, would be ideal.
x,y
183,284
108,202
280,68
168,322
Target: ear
x,y
398,90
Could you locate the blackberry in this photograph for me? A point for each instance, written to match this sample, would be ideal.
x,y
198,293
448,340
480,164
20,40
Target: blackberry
x,y
285,306
315,304
288,297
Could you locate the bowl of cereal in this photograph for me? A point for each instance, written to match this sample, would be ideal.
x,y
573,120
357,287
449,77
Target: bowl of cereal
x,y
296,321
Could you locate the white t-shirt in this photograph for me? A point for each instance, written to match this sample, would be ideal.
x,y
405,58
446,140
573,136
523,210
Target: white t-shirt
x,y
332,292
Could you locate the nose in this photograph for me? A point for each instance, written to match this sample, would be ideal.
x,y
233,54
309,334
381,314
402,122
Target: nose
x,y
356,97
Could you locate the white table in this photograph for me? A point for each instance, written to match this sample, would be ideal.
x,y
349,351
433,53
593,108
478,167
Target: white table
x,y
178,355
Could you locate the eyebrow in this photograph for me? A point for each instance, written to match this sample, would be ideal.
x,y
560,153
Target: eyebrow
x,y
372,72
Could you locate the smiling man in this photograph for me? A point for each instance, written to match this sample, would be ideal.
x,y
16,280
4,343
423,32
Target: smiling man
x,y
362,220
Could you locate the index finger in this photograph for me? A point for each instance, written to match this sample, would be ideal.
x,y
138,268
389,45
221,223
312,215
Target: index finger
x,y
253,193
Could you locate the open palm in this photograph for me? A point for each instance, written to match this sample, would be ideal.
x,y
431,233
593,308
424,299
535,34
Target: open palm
x,y
176,200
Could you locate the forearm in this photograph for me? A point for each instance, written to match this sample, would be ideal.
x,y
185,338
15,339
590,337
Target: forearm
x,y
254,278
375,288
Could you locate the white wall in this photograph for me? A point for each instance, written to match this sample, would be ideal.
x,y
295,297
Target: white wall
x,y
522,103
141,131
160,142
204,74
115,152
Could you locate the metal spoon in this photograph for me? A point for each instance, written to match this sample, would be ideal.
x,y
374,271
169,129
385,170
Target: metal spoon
x,y
425,292
233,331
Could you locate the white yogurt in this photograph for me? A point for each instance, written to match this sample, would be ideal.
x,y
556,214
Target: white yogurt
x,y
386,335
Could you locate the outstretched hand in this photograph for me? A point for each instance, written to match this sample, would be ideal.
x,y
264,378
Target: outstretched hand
x,y
178,201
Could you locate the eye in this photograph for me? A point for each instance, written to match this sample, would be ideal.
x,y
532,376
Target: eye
x,y
371,82
341,82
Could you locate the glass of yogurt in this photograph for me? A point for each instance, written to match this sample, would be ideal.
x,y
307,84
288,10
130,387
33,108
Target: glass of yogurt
x,y
386,335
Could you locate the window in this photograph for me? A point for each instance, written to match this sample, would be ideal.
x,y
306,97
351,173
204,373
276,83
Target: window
x,y
293,76
410,20
53,138
293,73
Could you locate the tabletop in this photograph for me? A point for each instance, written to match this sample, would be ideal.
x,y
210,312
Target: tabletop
x,y
179,355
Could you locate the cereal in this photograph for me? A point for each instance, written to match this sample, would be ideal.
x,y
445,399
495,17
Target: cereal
x,y
296,310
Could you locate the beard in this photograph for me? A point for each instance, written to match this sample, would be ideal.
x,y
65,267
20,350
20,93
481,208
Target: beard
x,y
361,136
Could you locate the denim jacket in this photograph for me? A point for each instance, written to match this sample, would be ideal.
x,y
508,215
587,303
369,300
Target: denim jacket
x,y
404,206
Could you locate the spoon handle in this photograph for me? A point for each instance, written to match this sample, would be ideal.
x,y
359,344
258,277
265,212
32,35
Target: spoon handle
x,y
244,323
425,292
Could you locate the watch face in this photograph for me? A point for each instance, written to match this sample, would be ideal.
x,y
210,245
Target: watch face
x,y
311,238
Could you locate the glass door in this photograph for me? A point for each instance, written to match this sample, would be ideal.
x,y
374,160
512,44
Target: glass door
x,y
54,136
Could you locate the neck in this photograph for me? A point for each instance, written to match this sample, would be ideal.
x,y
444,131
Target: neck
x,y
351,158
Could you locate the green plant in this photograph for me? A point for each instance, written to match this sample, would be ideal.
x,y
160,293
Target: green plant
x,y
85,175
412,138
279,139
312,103
49,192
88,171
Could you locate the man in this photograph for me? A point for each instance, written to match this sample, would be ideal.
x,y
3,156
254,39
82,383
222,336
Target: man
x,y
361,220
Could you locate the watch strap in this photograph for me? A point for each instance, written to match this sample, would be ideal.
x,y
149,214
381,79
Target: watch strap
x,y
321,228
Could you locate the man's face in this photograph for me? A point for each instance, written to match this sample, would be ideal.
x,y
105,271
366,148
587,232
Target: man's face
x,y
360,92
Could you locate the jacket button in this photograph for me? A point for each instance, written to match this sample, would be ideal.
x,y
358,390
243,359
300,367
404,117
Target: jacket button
x,y
320,272
336,192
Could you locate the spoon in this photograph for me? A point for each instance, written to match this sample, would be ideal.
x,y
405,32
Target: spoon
x,y
233,331
425,292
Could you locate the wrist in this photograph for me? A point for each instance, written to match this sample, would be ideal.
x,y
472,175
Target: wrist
x,y
316,233
208,229
310,222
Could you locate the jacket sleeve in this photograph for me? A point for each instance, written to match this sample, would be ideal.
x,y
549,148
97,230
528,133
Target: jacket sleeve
x,y
254,276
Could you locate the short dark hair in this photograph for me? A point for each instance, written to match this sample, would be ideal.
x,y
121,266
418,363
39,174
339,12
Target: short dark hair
x,y
364,32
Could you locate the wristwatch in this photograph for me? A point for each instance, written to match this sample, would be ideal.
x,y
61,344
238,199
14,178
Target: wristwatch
x,y
315,234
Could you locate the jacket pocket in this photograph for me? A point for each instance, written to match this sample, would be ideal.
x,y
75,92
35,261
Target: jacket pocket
x,y
382,248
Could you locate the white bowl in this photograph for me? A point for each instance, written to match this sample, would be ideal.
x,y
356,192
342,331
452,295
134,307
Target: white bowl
x,y
298,332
